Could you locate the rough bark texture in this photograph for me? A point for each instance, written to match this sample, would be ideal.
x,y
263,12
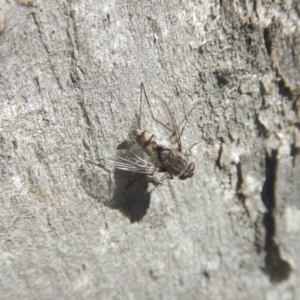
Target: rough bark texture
x,y
70,89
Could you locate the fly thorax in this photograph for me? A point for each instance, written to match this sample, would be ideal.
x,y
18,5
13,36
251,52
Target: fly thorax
x,y
174,161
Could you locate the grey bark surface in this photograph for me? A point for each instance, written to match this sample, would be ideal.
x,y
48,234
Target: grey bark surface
x,y
70,74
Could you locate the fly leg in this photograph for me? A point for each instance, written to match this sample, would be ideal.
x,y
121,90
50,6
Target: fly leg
x,y
188,152
156,181
134,180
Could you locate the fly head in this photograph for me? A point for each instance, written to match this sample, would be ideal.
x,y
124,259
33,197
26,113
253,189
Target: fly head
x,y
189,172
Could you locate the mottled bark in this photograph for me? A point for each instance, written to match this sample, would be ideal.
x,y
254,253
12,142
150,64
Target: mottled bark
x,y
71,227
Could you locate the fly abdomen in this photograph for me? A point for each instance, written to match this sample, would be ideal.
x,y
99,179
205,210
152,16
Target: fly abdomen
x,y
146,141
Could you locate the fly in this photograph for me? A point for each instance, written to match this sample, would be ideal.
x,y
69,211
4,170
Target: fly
x,y
160,151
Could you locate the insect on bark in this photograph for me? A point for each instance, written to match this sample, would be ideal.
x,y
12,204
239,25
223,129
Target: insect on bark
x,y
160,151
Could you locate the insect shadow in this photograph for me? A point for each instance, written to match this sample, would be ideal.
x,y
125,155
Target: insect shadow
x,y
131,194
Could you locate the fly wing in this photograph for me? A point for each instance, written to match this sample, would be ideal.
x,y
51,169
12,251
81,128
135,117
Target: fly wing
x,y
164,125
133,160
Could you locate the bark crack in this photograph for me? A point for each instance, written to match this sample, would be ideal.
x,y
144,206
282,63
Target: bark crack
x,y
276,268
40,33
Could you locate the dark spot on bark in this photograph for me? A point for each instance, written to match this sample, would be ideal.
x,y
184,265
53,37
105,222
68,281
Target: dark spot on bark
x,y
239,192
284,90
223,77
268,41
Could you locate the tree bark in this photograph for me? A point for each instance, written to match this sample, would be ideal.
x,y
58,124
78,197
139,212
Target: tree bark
x,y
71,227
